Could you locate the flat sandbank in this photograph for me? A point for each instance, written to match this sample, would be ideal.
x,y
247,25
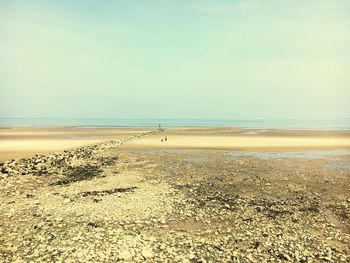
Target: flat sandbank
x,y
243,139
23,142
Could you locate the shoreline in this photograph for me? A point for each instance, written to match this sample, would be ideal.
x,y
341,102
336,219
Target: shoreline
x,y
167,127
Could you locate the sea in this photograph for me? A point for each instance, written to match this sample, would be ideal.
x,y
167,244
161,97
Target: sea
x,y
305,124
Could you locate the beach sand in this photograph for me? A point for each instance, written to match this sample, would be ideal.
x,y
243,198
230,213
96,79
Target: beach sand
x,y
24,142
128,200
241,139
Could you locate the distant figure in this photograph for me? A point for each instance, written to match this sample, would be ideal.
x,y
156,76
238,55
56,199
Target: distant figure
x,y
161,140
166,138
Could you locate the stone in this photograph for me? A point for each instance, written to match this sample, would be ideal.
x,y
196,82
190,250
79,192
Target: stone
x,y
125,255
147,252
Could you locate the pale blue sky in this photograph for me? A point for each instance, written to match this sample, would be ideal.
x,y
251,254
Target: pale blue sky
x,y
175,59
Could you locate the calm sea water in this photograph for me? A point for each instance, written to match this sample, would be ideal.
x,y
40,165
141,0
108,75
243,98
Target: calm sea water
x,y
336,124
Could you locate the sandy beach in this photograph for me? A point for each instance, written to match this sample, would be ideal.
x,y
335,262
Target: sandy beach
x,y
204,195
22,142
243,139
200,131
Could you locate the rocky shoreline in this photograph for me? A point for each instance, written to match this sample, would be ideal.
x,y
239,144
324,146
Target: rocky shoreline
x,y
101,204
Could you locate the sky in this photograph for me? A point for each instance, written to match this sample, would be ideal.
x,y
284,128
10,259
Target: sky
x,y
205,59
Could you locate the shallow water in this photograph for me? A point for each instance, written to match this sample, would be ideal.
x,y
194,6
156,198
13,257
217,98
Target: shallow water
x,y
339,165
82,137
310,155
197,159
254,132
330,124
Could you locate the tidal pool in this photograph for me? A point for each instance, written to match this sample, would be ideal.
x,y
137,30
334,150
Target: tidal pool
x,y
310,155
